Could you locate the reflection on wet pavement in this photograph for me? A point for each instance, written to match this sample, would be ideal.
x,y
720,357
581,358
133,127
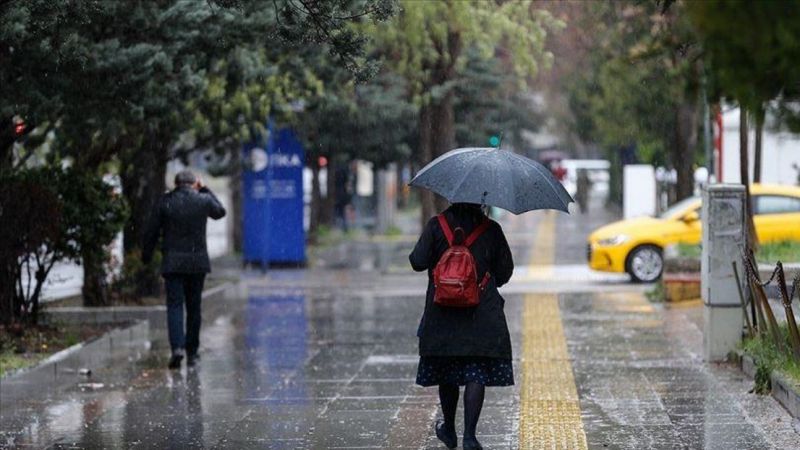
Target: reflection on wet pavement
x,y
643,384
324,358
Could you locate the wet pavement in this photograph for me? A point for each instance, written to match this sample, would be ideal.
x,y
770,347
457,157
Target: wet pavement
x,y
326,358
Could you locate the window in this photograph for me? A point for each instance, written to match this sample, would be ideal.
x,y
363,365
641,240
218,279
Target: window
x,y
776,204
677,210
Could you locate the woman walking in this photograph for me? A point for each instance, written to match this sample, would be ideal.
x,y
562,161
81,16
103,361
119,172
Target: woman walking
x,y
464,346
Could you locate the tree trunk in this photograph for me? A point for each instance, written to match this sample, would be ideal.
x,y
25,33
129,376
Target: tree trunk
x,y
443,135
684,146
425,156
95,285
8,278
143,183
328,212
751,239
235,185
757,155
316,201
7,139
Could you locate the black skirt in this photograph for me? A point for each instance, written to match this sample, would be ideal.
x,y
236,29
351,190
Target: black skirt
x,y
460,370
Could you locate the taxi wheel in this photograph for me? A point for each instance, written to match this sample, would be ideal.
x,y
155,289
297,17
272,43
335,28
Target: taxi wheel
x,y
645,263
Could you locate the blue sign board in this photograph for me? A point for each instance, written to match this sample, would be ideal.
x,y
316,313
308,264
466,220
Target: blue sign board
x,y
273,200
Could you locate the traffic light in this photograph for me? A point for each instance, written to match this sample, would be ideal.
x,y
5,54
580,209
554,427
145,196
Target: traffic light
x,y
494,141
19,127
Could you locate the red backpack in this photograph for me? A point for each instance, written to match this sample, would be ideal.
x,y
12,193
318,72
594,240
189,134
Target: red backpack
x,y
455,277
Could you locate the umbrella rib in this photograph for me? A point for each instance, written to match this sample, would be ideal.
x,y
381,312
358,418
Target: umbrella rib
x,y
442,157
555,187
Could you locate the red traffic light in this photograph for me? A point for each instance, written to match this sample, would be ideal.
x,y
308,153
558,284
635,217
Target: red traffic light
x,y
19,128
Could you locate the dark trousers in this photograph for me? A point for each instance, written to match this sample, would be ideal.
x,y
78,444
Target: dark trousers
x,y
184,289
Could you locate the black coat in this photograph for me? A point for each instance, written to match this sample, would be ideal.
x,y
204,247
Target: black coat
x,y
479,331
180,217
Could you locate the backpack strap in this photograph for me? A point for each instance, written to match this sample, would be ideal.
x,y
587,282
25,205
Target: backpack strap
x,y
477,232
448,233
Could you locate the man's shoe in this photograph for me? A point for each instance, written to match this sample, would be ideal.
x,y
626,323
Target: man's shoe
x,y
447,437
472,444
192,360
175,360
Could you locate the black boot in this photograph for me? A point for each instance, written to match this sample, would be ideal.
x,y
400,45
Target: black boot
x,y
175,360
472,444
447,437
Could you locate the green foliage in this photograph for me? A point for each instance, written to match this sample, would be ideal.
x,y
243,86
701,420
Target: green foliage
x,y
372,121
641,84
752,49
428,35
11,362
763,380
768,252
125,284
769,358
65,214
658,293
489,102
784,251
138,83
688,250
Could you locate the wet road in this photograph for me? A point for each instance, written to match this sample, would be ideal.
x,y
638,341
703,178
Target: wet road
x,y
326,358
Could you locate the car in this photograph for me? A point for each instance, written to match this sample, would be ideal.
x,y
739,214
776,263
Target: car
x,y
636,246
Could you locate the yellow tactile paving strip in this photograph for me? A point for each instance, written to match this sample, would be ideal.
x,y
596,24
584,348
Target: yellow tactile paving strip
x,y
550,414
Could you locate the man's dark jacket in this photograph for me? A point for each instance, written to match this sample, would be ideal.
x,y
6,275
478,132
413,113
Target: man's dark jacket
x,y
180,217
478,331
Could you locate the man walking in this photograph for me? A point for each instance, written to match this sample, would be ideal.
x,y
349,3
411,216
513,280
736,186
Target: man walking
x,y
180,217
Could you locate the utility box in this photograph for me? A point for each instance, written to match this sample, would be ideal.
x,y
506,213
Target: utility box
x,y
273,200
723,216
638,190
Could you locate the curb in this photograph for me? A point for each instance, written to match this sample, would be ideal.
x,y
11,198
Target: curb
x,y
783,390
126,343
117,314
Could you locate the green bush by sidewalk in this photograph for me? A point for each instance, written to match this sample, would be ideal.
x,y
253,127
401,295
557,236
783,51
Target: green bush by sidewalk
x,y
769,358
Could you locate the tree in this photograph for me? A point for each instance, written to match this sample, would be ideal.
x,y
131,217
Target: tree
x,y
57,215
752,51
125,75
642,87
345,120
489,102
426,43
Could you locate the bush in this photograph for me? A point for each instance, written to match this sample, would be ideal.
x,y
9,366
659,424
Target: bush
x,y
769,358
51,215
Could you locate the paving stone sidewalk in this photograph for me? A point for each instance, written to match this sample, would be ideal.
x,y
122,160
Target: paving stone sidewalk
x,y
326,358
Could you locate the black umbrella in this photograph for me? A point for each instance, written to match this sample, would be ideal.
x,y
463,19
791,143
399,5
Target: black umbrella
x,y
494,177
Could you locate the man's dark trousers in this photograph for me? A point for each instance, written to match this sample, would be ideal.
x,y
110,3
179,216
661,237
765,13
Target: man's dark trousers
x,y
184,289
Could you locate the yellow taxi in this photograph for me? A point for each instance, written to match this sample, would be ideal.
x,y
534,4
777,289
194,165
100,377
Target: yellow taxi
x,y
636,245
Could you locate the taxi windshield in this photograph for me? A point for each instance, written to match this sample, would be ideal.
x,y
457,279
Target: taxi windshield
x,y
678,208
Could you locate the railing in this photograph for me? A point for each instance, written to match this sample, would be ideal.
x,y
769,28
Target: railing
x,y
761,321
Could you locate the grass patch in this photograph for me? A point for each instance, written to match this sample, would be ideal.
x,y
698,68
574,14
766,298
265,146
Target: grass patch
x,y
768,252
688,250
11,362
393,231
769,358
22,347
658,294
784,251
